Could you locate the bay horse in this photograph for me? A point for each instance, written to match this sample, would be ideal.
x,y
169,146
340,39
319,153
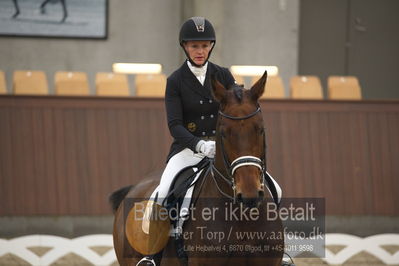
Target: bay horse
x,y
235,175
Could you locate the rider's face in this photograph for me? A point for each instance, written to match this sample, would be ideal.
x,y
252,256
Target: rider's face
x,y
198,51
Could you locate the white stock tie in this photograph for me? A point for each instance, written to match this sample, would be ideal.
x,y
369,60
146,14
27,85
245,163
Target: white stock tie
x,y
199,72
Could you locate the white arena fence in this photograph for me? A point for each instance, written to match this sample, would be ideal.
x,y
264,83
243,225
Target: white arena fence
x,y
82,246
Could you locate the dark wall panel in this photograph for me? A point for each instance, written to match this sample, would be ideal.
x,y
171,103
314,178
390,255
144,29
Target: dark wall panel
x,y
323,38
352,37
374,50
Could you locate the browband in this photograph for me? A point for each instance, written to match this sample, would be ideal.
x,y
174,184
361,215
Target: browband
x,y
240,117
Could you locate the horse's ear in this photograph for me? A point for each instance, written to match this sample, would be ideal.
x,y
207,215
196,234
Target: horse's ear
x,y
218,90
259,87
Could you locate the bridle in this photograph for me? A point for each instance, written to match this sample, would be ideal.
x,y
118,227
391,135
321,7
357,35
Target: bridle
x,y
241,161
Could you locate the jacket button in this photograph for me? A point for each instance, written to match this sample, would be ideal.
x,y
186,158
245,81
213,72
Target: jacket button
x,y
211,116
201,102
202,117
213,131
203,133
210,101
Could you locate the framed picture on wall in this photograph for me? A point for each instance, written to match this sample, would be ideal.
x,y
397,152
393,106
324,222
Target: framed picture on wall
x,y
54,18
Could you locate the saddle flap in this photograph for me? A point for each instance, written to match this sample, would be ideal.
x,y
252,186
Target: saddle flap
x,y
182,182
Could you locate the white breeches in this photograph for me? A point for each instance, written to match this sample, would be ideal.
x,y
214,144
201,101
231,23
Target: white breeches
x,y
179,161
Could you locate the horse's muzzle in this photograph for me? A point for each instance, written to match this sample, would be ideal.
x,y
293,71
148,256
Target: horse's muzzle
x,y
251,202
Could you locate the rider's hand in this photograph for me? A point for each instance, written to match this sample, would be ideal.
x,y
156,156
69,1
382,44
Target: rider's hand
x,y
207,148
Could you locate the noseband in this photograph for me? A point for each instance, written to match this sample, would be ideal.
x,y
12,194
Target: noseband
x,y
241,161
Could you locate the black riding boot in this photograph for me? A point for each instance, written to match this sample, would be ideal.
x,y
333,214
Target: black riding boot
x,y
181,254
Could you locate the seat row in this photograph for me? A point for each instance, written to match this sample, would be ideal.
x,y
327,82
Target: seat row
x,y
76,83
153,85
309,87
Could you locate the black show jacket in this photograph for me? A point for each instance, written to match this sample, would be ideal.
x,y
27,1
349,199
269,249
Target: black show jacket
x,y
190,107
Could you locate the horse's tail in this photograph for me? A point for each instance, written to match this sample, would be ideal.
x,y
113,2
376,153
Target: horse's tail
x,y
116,197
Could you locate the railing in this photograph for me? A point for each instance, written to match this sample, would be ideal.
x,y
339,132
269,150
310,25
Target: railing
x,y
98,249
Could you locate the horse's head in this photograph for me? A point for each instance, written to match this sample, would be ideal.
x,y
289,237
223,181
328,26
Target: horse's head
x,y
241,139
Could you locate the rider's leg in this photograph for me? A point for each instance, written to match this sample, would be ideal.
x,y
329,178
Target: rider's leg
x,y
179,161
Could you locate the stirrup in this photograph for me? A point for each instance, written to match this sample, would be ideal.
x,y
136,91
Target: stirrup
x,y
288,261
146,261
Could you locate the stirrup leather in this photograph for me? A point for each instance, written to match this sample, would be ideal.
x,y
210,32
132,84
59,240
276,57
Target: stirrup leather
x,y
148,262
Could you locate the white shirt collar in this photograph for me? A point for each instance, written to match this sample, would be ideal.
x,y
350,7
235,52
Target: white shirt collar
x,y
199,72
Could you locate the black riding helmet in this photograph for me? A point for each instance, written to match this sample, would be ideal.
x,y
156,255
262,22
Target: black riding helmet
x,y
197,29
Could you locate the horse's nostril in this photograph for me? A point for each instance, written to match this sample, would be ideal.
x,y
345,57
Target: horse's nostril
x,y
261,193
239,197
